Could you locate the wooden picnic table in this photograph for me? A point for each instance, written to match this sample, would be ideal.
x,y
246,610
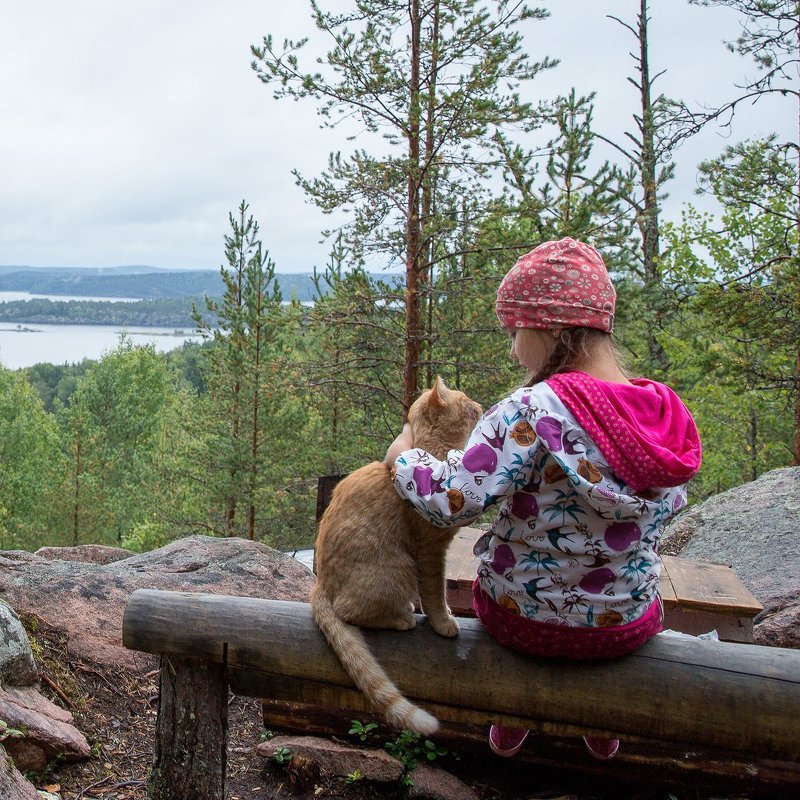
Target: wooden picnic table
x,y
698,596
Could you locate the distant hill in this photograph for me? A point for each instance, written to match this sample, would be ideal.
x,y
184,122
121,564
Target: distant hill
x,y
132,269
145,283
138,282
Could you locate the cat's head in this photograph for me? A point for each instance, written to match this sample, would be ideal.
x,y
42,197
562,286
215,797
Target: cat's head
x,y
442,419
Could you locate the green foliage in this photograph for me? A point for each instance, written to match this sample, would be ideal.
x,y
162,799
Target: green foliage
x,y
113,433
737,329
407,747
29,462
164,313
354,777
362,731
248,436
282,755
56,383
410,748
148,535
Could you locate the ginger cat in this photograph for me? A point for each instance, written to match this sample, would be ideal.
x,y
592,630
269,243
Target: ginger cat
x,y
375,555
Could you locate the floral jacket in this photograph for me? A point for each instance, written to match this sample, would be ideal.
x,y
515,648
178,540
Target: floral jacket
x,y
572,542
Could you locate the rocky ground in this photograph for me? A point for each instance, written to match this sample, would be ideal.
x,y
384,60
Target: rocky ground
x,y
116,711
71,603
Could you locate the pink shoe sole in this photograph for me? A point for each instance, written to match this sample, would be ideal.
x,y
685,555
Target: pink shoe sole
x,y
506,742
601,748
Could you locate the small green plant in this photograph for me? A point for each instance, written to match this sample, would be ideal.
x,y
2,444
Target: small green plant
x,y
363,732
267,735
354,777
282,755
409,751
408,748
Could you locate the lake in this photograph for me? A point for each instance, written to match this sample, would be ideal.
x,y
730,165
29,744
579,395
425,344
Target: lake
x,y
31,343
8,297
25,344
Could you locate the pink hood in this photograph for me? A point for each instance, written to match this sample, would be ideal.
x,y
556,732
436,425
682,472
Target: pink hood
x,y
645,432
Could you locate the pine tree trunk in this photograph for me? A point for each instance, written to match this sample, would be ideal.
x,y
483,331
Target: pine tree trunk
x,y
429,192
413,316
76,503
190,759
230,502
797,298
648,222
254,433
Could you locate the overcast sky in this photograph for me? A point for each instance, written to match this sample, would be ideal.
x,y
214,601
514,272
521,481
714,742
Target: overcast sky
x,y
130,128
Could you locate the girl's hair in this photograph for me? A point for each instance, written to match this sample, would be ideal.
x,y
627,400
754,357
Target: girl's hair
x,y
575,346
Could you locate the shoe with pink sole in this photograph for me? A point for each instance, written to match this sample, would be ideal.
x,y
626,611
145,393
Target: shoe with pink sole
x,y
601,748
506,742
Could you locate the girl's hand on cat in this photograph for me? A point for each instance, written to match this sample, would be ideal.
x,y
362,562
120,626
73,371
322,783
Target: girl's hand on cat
x,y
405,441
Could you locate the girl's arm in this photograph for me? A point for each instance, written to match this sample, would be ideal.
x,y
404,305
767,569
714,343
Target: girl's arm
x,y
495,463
404,441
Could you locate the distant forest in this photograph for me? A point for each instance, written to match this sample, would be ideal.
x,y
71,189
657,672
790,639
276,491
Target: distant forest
x,y
160,298
154,285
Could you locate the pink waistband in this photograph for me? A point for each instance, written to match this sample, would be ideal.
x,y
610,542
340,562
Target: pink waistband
x,y
549,640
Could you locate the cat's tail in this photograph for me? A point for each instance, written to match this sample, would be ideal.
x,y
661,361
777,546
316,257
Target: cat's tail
x,y
367,674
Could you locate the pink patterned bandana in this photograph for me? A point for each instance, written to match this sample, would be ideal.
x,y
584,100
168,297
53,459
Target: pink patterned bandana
x,y
561,284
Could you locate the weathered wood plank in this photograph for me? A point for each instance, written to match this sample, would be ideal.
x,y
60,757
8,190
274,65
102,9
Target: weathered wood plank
x,y
667,590
460,571
702,586
639,760
676,680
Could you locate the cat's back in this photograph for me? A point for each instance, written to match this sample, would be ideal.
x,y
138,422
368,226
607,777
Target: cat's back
x,y
370,484
362,503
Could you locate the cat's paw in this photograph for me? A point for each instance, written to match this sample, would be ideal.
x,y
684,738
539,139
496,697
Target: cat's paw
x,y
446,627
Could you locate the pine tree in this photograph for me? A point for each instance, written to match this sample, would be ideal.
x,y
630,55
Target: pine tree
x,y
243,326
770,35
659,129
434,79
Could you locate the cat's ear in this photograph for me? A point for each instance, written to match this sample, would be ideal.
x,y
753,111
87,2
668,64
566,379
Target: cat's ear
x,y
438,398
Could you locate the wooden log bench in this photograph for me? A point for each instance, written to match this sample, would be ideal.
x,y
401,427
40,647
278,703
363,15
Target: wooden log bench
x,y
738,700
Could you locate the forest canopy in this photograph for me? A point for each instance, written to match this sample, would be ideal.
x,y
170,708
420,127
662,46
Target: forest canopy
x,y
229,437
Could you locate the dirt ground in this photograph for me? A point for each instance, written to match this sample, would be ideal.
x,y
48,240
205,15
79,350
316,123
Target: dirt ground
x,y
117,711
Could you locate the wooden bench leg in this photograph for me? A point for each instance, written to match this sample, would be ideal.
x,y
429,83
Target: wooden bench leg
x,y
191,732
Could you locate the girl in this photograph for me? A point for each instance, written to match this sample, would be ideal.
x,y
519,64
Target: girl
x,y
585,465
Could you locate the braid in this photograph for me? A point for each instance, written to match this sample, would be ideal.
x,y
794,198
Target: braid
x,y
573,347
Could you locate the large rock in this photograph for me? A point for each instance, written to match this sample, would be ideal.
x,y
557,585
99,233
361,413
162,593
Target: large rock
x,y
337,758
86,601
754,528
91,553
13,785
312,755
49,730
17,667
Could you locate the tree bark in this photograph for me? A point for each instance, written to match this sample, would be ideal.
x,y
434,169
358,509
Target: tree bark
x,y
413,321
264,642
797,223
648,221
191,731
428,186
